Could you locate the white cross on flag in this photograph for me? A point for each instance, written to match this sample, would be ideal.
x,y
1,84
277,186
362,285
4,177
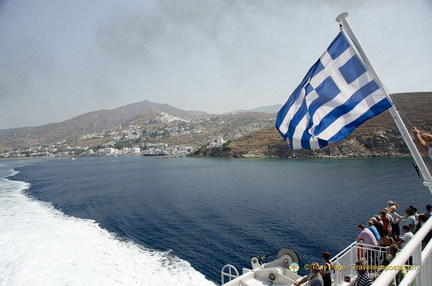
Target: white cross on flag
x,y
337,95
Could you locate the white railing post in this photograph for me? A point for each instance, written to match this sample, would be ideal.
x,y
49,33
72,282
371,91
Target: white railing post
x,y
417,260
426,264
230,274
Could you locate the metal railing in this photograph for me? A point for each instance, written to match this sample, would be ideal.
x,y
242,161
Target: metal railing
x,y
417,273
421,276
345,262
418,270
230,272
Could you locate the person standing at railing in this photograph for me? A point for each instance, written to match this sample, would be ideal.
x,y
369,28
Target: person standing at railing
x,y
406,237
327,270
378,225
386,220
396,218
385,241
366,235
422,219
373,229
392,203
411,221
428,212
392,251
414,209
368,238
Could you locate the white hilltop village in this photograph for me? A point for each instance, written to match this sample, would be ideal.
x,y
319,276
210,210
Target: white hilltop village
x,y
132,133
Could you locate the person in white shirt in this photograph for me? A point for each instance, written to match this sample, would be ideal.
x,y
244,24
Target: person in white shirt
x,y
406,237
395,224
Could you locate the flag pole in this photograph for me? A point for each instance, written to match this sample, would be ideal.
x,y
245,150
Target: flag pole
x,y
342,19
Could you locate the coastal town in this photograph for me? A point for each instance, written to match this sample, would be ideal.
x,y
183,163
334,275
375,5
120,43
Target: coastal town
x,y
133,139
150,149
159,130
129,141
152,133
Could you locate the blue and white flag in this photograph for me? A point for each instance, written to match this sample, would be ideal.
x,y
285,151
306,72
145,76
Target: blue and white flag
x,y
337,95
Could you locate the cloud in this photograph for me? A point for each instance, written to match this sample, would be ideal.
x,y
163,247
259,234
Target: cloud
x,y
214,56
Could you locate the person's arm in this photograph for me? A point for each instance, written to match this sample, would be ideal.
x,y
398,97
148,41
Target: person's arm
x,y
423,146
427,137
322,272
399,218
400,242
304,279
324,268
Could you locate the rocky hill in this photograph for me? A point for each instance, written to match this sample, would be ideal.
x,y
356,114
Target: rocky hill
x,y
378,137
249,134
152,123
92,122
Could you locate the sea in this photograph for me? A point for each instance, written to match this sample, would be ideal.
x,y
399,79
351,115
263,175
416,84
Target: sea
x,y
135,220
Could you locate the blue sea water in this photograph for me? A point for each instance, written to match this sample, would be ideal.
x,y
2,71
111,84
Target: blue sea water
x,y
137,220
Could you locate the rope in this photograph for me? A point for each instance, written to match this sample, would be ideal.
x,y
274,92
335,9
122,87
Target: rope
x,y
409,125
406,119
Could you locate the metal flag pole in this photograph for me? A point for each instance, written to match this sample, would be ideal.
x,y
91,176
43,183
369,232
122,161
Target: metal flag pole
x,y
394,113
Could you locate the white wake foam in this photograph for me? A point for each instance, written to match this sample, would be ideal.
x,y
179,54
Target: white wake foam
x,y
41,246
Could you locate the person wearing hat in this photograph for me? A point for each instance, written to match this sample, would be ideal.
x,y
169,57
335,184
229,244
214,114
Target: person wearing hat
x,y
392,203
396,218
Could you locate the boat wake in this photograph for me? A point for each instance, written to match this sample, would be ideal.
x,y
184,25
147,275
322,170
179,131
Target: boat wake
x,y
39,245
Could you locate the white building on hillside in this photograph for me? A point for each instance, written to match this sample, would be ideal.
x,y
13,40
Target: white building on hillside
x,y
218,143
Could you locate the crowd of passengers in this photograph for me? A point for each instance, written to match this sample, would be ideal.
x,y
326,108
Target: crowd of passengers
x,y
383,230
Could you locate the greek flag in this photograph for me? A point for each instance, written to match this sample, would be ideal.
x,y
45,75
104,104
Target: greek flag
x,y
337,95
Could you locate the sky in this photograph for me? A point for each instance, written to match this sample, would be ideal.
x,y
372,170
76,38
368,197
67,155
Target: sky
x,y
60,59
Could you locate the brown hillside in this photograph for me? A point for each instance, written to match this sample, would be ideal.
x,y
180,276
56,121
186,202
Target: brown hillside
x,y
378,137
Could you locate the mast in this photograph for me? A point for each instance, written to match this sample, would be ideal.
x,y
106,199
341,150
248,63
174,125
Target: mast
x,y
393,111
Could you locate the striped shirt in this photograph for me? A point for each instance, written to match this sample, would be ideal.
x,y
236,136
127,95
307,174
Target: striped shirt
x,y
363,280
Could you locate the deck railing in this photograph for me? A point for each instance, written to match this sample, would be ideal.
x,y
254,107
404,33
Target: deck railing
x,y
345,261
418,273
421,276
229,272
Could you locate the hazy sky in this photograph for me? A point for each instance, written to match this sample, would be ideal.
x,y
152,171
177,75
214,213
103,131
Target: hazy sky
x,y
60,59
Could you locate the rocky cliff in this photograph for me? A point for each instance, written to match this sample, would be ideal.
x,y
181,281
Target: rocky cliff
x,y
378,137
